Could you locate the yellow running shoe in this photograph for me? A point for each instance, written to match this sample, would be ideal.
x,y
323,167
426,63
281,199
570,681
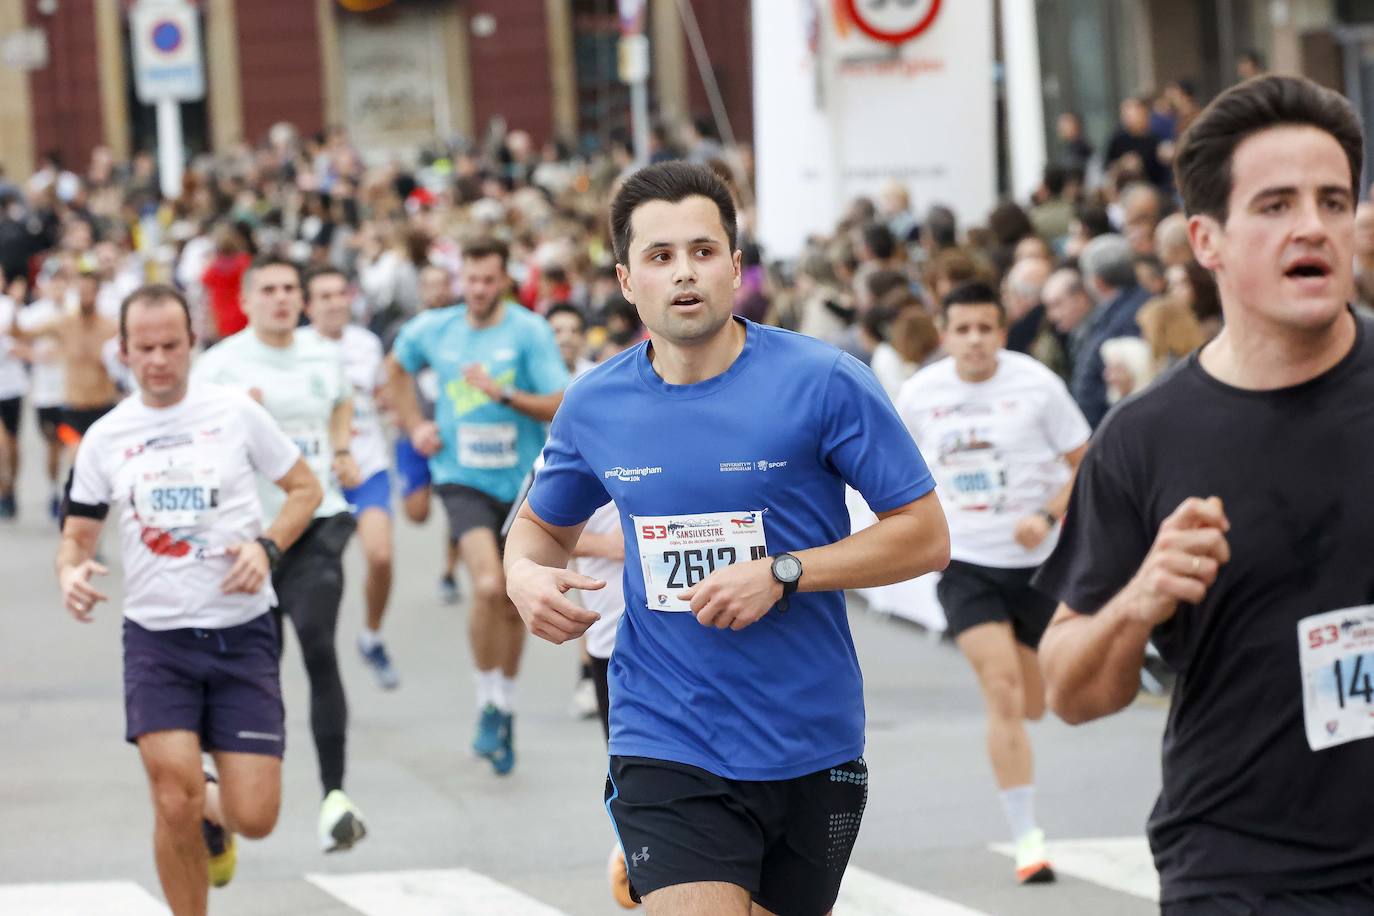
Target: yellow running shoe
x,y
620,879
223,853
1032,863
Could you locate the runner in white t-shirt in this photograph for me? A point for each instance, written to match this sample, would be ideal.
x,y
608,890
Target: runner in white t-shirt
x,y
1003,437
14,384
47,375
201,651
300,380
600,554
328,302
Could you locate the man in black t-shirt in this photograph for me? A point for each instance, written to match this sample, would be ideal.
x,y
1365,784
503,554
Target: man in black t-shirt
x,y
1222,514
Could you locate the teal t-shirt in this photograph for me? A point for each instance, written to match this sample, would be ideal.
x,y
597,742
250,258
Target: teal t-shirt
x,y
487,445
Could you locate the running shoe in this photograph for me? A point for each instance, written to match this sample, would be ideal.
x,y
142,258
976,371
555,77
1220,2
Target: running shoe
x,y
583,702
380,663
448,591
341,824
8,510
223,853
219,844
620,879
487,741
55,508
1032,863
503,761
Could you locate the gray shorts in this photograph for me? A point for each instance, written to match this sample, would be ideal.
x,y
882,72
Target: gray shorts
x,y
469,508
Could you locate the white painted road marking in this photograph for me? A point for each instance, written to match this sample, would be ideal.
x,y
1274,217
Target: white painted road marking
x,y
1120,863
438,892
863,893
108,898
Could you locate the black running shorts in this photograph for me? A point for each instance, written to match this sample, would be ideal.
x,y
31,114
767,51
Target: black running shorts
x,y
1346,900
973,595
787,842
10,408
468,508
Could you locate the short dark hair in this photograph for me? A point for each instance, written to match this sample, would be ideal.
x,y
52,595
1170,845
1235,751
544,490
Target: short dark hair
x,y
321,270
1055,177
263,261
1202,168
942,226
671,182
478,249
880,241
973,293
152,293
566,308
880,283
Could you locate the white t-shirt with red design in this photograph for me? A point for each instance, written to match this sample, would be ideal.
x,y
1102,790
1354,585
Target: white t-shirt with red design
x,y
183,482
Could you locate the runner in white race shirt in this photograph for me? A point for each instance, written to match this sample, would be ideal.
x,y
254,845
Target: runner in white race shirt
x,y
1003,436
328,300
201,650
300,380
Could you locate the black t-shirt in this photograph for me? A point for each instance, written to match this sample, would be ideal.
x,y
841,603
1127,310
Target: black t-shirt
x,y
1246,804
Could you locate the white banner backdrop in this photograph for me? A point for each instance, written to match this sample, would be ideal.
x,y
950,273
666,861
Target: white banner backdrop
x,y
839,113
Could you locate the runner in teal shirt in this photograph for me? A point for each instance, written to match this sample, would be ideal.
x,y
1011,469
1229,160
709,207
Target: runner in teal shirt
x,y
501,379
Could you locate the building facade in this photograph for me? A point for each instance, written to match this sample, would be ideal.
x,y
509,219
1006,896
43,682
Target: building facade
x,y
397,73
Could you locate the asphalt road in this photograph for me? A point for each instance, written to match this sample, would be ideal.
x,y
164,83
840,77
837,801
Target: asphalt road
x,y
447,836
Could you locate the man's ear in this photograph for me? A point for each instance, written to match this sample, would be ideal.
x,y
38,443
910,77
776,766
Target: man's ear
x,y
622,273
1205,236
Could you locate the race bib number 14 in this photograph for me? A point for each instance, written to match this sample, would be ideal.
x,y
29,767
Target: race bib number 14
x,y
676,552
1336,650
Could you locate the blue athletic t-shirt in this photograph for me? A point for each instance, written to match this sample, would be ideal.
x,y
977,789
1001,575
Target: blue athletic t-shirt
x,y
487,445
775,437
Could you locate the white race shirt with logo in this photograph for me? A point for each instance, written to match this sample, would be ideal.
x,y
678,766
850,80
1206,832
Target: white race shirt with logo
x,y
362,356
996,449
47,374
14,380
609,602
182,481
300,385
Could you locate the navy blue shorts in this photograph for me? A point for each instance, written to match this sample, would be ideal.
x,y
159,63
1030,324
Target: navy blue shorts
x,y
411,466
222,684
373,493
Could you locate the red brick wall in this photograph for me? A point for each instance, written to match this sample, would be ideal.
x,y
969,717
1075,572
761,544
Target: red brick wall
x,y
510,68
66,93
725,29
279,65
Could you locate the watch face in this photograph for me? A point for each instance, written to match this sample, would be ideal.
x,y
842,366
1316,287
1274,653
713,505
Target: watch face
x,y
787,569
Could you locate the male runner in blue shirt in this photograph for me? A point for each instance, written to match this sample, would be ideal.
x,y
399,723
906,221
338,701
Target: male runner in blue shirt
x,y
737,719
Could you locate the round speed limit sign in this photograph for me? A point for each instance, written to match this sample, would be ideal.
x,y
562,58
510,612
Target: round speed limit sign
x,y
892,21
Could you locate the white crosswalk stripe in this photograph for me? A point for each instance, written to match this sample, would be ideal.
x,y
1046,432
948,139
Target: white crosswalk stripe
x,y
109,898
437,892
1120,863
863,893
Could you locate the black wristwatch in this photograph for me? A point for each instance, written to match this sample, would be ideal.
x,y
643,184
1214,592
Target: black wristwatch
x,y
507,394
273,552
1048,516
787,571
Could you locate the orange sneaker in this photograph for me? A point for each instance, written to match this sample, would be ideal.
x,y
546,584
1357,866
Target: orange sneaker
x,y
1032,863
619,876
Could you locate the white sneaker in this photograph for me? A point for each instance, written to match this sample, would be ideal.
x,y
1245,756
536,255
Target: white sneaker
x,y
582,705
341,823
